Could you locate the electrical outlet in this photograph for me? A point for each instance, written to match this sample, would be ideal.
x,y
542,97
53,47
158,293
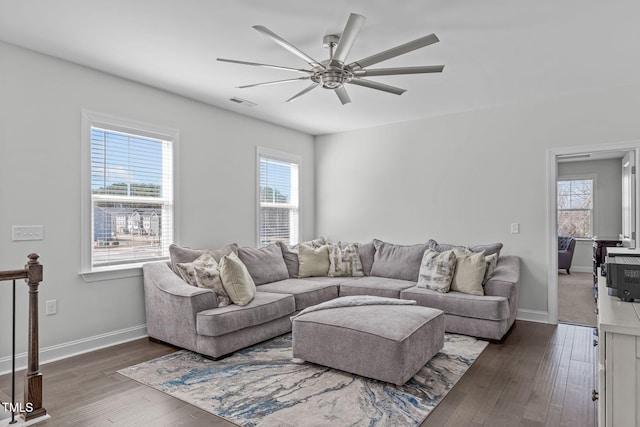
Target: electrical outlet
x,y
51,307
27,232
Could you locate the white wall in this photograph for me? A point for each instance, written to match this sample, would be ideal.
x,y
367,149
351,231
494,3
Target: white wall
x,y
40,108
607,207
464,178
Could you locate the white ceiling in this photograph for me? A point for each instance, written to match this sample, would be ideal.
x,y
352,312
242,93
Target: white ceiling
x,y
495,52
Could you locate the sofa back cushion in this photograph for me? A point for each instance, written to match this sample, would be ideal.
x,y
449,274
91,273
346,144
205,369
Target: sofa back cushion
x,y
492,248
367,253
397,261
265,265
181,254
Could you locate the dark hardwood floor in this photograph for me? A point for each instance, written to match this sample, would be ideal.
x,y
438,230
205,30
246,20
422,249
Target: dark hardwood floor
x,y
540,375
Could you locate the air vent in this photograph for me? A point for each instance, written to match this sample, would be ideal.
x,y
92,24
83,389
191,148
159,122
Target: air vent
x,y
243,101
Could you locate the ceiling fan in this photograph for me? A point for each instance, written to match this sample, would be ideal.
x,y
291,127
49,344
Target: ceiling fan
x,y
334,73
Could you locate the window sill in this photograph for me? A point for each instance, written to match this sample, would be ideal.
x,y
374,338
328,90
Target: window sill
x,y
112,273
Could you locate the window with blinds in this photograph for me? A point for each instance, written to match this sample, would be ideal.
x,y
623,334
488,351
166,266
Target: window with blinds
x,y
278,194
132,200
575,207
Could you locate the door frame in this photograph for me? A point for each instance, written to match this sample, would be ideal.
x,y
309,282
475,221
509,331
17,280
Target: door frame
x,y
552,226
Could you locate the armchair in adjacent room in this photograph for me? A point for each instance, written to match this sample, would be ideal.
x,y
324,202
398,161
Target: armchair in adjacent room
x,y
566,246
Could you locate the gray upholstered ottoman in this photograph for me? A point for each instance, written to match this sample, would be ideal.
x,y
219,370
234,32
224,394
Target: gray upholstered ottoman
x,y
386,342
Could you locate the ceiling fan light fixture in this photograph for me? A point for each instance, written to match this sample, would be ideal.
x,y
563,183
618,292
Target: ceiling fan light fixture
x,y
334,73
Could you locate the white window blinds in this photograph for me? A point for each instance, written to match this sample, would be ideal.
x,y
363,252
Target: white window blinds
x,y
278,189
575,207
131,197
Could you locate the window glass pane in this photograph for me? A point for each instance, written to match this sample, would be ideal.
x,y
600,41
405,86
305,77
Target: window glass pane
x,y
132,206
575,208
278,196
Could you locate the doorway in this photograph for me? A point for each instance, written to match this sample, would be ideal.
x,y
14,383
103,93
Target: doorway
x,y
600,168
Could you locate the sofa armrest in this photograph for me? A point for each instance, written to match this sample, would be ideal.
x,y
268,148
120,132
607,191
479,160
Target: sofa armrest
x,y
505,281
172,305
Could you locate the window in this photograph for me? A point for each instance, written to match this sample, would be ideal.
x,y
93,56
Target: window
x,y
128,196
278,197
575,207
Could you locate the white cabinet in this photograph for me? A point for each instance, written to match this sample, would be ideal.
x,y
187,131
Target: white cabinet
x,y
618,360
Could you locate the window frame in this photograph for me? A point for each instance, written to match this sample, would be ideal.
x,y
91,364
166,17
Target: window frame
x,y
594,185
91,119
283,157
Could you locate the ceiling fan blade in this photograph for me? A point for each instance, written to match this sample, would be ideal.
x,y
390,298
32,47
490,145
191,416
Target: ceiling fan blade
x,y
399,70
343,95
275,67
348,37
285,44
275,82
395,51
302,92
379,86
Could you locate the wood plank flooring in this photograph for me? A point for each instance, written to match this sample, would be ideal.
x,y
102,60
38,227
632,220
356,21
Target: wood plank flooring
x,y
540,375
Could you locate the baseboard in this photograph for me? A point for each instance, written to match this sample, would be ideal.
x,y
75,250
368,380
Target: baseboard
x,y
533,315
73,348
582,269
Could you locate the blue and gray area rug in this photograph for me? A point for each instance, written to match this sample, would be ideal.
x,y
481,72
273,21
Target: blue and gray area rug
x,y
264,386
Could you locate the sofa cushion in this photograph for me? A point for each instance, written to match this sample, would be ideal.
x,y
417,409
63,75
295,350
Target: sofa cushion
x,y
265,265
184,254
466,305
437,270
313,261
492,261
344,260
397,261
493,248
376,286
236,280
470,269
305,291
367,253
290,256
203,273
263,308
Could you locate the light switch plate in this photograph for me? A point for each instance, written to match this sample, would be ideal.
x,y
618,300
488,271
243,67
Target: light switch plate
x,y
515,228
28,232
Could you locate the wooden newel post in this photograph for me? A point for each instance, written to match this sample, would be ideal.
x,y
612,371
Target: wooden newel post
x,y
33,380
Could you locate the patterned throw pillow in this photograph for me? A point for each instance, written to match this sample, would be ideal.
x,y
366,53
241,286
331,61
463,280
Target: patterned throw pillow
x,y
203,273
436,270
345,262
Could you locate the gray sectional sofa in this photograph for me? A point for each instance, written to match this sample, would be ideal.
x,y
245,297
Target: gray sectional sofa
x,y
189,316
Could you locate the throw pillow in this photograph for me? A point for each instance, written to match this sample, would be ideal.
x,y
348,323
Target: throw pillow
x,y
469,273
344,261
437,270
203,273
265,265
313,261
184,254
492,261
236,280
397,261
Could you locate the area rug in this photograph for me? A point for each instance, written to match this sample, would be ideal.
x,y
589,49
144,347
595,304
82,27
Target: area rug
x,y
264,386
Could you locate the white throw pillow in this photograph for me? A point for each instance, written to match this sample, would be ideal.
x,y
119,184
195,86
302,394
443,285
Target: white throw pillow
x,y
313,261
492,261
469,273
236,280
203,273
437,270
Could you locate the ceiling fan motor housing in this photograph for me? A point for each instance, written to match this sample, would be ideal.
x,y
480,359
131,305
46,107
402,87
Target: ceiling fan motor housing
x,y
333,77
